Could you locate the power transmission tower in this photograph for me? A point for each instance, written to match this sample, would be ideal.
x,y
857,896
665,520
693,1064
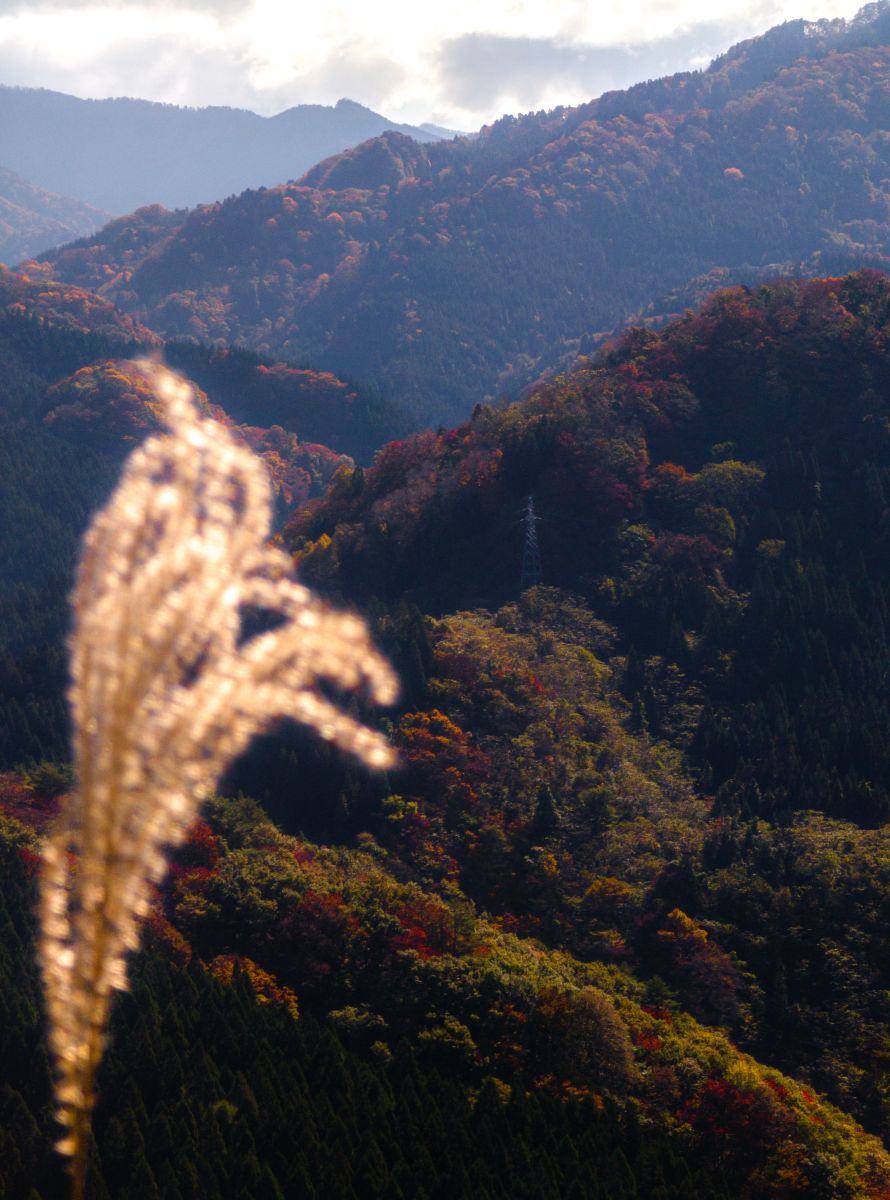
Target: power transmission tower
x,y
531,554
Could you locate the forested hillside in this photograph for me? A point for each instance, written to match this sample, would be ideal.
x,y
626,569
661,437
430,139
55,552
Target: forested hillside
x,y
716,492
70,409
32,219
622,910
452,271
221,1081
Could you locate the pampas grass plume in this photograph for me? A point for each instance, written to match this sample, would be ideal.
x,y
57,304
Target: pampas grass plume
x,y
165,693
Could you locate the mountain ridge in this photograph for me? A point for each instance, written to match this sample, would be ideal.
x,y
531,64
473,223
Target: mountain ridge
x,y
123,153
453,272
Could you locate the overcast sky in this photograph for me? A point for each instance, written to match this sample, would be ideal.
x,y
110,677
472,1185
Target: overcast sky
x,y
459,63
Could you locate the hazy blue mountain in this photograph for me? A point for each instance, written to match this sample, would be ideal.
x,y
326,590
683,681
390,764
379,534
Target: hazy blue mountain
x,y
32,219
122,154
440,131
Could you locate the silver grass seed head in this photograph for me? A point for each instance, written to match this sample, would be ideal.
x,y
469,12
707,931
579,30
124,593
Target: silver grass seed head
x,y
165,693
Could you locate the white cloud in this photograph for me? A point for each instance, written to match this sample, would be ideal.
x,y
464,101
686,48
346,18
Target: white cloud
x,y
460,64
73,38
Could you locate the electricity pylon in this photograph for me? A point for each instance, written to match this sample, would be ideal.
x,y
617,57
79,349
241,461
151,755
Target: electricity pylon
x,y
531,554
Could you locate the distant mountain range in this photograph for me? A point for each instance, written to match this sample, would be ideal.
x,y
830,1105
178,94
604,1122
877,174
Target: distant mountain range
x,y
121,154
32,219
448,272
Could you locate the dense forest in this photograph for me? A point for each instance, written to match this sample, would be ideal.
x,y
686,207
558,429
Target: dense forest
x,y
70,409
715,494
221,1083
620,916
448,272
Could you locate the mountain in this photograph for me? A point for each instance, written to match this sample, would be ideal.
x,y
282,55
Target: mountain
x,y
616,926
717,490
32,219
713,515
254,390
122,154
440,131
71,407
452,271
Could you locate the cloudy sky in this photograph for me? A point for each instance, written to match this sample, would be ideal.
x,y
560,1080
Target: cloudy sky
x,y
459,63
